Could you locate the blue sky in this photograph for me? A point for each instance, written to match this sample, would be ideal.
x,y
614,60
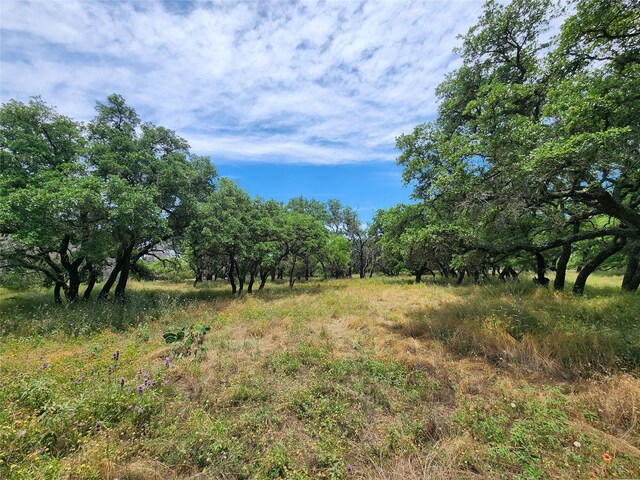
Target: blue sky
x,y
287,98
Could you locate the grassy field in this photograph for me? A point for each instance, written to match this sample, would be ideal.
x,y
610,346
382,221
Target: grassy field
x,y
378,378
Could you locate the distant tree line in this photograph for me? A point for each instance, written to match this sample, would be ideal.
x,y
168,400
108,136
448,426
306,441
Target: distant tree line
x,y
533,161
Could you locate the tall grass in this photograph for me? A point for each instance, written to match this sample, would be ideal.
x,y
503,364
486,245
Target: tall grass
x,y
379,378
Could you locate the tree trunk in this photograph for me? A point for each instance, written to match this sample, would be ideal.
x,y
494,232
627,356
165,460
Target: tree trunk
x,y
72,292
124,275
56,293
631,279
232,280
252,278
418,274
591,266
291,276
561,267
198,277
541,270
263,279
209,276
90,284
104,293
460,276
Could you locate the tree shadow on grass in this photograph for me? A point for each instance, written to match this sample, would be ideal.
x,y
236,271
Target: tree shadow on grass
x,y
35,313
543,330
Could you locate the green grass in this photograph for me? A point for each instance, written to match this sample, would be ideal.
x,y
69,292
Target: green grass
x,y
378,378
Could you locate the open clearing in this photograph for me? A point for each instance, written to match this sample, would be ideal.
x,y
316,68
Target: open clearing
x,y
378,378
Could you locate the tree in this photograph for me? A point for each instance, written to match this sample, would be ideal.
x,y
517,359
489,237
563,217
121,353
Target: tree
x,y
151,183
533,145
51,210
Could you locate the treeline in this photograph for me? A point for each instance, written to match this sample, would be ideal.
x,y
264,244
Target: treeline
x,y
532,164
81,204
533,160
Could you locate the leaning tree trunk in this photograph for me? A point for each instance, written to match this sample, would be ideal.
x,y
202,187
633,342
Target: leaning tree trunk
x,y
106,288
93,277
591,266
631,280
263,279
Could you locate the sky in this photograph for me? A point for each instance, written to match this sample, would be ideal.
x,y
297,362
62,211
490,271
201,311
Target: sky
x,y
286,98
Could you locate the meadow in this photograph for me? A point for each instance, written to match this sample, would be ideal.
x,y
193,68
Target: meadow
x,y
378,378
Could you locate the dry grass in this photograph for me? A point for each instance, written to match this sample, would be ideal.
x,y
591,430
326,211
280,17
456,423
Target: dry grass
x,y
342,379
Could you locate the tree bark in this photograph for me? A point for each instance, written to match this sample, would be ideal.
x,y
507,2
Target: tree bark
x,y
232,280
90,284
591,266
124,274
104,293
631,279
56,293
291,271
541,270
263,279
198,278
252,278
460,276
561,267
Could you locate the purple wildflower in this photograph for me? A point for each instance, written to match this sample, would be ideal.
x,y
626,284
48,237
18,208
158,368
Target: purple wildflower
x,y
140,388
121,382
116,355
109,371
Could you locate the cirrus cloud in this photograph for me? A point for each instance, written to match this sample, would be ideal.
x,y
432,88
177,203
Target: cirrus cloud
x,y
298,82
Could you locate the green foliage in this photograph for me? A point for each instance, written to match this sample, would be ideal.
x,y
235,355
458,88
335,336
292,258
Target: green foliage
x,y
187,341
534,145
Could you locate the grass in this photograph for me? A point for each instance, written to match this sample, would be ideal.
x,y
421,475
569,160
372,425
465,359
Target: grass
x,y
377,378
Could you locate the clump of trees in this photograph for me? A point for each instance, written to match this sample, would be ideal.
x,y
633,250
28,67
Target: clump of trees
x,y
79,200
533,160
531,164
88,203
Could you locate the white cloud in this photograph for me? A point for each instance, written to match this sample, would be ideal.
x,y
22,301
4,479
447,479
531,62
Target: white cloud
x,y
328,82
